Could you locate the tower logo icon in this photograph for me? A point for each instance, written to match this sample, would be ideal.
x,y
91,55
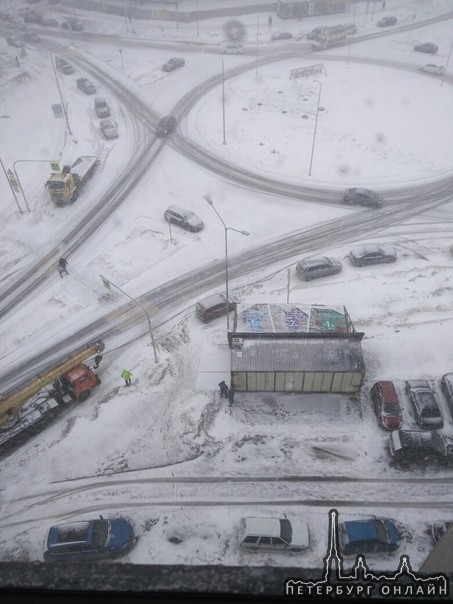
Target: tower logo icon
x,y
361,582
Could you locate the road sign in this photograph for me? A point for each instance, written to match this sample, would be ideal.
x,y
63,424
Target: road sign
x,y
13,181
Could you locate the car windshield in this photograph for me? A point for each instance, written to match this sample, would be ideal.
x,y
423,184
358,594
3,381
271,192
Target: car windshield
x,y
392,409
286,531
242,159
381,531
101,530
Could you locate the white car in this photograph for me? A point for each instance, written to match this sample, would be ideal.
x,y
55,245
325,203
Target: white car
x,y
109,128
232,49
274,533
434,69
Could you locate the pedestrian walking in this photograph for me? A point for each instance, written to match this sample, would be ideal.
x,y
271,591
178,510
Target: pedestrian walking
x,y
126,375
97,361
62,264
223,389
231,396
270,21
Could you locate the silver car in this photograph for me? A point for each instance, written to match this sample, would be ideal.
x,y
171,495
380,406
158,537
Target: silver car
x,y
434,69
313,268
274,533
372,254
109,128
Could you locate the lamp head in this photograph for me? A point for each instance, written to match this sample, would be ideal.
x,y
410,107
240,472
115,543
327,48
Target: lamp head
x,y
209,200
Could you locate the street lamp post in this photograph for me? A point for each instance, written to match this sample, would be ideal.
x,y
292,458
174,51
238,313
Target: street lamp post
x,y
226,229
108,284
120,50
223,102
61,95
316,126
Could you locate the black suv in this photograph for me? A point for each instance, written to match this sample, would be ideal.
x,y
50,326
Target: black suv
x,y
183,218
415,446
166,125
423,399
212,307
428,47
173,63
362,197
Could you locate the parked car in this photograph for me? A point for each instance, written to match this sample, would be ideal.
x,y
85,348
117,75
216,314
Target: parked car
x,y
14,41
50,22
31,16
72,24
428,47
386,405
213,307
63,65
362,197
434,69
274,533
109,128
101,107
446,384
368,536
166,125
173,63
314,33
284,35
86,86
89,539
372,254
183,218
386,21
416,446
232,49
31,36
423,399
313,268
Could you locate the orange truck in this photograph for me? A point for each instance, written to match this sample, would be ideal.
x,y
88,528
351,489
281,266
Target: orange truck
x,y
27,410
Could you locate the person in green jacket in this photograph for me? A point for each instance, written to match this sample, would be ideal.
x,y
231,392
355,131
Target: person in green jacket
x,y
126,375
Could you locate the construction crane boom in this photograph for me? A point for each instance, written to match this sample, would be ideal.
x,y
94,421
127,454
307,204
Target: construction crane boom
x,y
12,403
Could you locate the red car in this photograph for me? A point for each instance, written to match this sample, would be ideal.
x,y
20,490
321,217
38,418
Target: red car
x,y
386,405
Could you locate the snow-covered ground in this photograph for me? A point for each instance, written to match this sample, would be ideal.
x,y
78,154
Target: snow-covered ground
x,y
129,451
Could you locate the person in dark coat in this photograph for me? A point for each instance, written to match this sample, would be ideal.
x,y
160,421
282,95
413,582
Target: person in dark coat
x,y
223,389
97,360
62,264
231,396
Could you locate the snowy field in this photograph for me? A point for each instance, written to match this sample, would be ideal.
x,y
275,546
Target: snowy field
x,y
131,451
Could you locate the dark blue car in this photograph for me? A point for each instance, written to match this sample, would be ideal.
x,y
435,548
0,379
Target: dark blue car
x,y
368,536
91,539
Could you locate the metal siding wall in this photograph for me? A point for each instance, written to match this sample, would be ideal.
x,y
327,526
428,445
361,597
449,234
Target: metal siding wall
x,y
346,383
336,382
261,381
317,382
327,378
308,381
279,381
289,381
270,381
239,381
298,381
251,381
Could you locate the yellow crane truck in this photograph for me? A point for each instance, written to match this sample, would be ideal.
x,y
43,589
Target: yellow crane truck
x,y
27,410
64,186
